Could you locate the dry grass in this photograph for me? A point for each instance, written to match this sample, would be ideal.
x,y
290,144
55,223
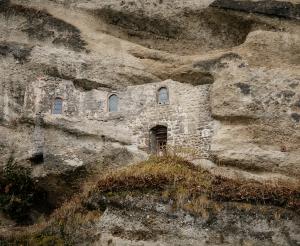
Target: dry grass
x,y
181,181
67,225
253,192
171,178
156,173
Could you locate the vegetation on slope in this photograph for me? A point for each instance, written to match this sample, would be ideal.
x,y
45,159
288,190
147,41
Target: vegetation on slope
x,y
168,178
179,178
69,224
19,194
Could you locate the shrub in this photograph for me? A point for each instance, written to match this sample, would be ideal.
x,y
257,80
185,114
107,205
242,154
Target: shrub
x,y
18,192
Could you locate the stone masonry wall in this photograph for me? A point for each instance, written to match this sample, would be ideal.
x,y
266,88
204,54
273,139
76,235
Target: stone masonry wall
x,y
186,116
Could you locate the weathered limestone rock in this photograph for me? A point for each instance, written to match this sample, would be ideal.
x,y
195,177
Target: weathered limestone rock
x,y
149,223
248,63
232,69
257,107
290,9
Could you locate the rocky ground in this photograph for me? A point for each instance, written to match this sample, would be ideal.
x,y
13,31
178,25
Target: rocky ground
x,y
249,51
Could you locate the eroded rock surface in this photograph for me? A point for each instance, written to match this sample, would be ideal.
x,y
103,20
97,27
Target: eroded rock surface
x,y
245,53
252,63
157,224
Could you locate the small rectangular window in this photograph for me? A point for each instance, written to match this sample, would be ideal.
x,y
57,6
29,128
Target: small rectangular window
x,y
163,96
57,107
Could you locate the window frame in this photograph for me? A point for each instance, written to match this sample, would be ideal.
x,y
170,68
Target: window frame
x,y
108,104
158,94
153,146
54,103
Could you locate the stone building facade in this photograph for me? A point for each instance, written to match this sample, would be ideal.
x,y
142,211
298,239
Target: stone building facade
x,y
185,114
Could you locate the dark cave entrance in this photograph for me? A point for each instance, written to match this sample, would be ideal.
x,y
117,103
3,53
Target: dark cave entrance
x,y
158,140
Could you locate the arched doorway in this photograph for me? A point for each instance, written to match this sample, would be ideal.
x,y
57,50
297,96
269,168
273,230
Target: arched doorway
x,y
158,139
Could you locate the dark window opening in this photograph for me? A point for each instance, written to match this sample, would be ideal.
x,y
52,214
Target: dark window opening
x,y
57,107
37,158
158,140
113,103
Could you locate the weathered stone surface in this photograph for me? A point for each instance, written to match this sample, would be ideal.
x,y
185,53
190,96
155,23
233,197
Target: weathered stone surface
x,y
18,51
252,89
256,108
290,9
149,222
232,68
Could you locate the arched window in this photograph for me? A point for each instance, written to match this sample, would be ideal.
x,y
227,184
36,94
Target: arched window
x,y
163,95
113,103
57,107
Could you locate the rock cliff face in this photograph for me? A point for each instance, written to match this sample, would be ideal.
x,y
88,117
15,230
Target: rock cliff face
x,y
245,53
250,60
